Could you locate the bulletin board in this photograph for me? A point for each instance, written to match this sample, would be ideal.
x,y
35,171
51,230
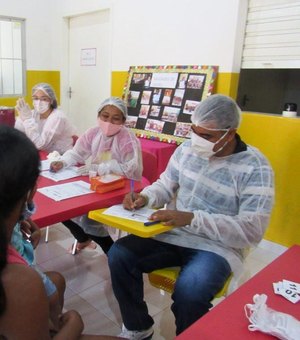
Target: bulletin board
x,y
161,99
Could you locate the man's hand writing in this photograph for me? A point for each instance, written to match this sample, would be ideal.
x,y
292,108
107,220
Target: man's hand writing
x,y
134,201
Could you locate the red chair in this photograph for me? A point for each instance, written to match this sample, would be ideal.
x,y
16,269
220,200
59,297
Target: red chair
x,y
7,116
149,166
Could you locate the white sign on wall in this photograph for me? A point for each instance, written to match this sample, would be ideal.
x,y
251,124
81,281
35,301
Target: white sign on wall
x,y
88,57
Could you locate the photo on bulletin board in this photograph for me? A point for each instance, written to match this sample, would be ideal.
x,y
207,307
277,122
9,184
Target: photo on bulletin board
x,y
161,99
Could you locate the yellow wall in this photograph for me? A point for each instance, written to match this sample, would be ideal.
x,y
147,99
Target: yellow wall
x,y
226,83
278,138
32,78
118,80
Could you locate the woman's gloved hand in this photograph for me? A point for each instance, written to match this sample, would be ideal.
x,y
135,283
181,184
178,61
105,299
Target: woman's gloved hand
x,y
23,109
103,169
111,166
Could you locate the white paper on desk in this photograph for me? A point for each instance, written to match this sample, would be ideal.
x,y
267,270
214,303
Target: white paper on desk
x,y
61,175
45,165
140,215
61,192
291,285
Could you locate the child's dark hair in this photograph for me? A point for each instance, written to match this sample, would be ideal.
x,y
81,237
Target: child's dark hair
x,y
19,170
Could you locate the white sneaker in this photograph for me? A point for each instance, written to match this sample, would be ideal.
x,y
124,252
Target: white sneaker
x,y
136,335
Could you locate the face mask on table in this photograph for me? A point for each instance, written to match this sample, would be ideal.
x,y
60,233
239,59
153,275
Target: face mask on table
x,y
41,106
204,147
108,128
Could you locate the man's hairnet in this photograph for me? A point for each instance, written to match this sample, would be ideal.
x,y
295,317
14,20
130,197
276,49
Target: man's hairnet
x,y
48,90
217,112
117,102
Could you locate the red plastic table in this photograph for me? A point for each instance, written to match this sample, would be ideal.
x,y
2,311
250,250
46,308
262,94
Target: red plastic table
x,y
228,321
163,151
50,212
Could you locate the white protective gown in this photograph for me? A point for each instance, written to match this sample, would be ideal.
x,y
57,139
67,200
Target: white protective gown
x,y
119,154
51,134
231,198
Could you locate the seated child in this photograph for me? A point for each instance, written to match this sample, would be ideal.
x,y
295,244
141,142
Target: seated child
x,y
25,238
112,148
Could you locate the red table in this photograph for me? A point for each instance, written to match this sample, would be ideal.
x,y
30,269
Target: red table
x,y
50,211
228,321
163,151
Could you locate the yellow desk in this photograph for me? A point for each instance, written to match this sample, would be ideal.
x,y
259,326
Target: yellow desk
x,y
132,227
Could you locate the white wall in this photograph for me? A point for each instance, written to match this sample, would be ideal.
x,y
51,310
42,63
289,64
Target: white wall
x,y
168,32
156,32
77,7
42,31
172,32
143,32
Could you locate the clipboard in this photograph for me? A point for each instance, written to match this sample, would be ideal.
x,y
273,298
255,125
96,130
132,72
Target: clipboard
x,y
132,227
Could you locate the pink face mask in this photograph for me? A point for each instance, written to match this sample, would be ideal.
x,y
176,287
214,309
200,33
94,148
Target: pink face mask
x,y
109,129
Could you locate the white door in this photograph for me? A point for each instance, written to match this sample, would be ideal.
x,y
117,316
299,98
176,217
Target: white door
x,y
89,67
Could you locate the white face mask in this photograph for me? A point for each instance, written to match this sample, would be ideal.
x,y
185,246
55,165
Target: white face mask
x,y
270,321
41,106
204,147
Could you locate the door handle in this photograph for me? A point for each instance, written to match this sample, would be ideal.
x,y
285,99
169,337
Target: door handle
x,y
70,92
245,100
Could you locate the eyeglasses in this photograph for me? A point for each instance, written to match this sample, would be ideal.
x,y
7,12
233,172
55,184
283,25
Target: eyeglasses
x,y
43,99
209,134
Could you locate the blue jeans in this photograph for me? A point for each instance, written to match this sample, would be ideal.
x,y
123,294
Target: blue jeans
x,y
203,274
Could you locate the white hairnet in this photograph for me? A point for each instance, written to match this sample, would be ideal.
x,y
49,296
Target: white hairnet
x,y
217,112
117,102
48,90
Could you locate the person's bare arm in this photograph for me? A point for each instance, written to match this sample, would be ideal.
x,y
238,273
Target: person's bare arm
x,y
31,231
27,313
56,166
71,326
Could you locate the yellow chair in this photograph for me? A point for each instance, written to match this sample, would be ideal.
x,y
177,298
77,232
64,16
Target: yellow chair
x,y
165,279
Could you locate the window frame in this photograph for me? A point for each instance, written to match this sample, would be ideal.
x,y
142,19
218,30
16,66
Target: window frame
x,y
21,21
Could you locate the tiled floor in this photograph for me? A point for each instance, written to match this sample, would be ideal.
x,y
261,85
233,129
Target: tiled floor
x,y
89,289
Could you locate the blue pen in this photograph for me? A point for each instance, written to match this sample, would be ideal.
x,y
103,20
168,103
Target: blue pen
x,y
147,224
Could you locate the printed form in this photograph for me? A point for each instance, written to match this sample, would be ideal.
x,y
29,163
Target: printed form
x,y
64,191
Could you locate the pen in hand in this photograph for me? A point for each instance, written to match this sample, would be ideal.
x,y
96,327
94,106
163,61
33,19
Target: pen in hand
x,y
132,192
147,224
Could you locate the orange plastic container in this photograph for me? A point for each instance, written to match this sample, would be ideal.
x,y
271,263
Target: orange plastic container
x,y
107,183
